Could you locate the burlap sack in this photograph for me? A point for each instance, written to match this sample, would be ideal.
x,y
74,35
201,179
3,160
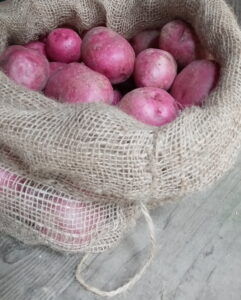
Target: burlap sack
x,y
96,155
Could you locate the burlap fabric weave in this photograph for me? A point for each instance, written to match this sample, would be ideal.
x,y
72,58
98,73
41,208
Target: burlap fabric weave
x,y
96,155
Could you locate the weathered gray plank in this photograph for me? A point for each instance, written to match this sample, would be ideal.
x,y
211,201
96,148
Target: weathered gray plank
x,y
32,273
194,236
236,5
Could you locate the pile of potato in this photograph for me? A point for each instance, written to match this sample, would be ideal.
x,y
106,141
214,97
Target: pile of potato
x,y
152,77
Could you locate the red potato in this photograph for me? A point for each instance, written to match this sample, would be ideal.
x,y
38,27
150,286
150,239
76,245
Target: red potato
x,y
63,220
63,45
195,82
155,68
70,221
178,38
38,46
117,97
79,84
152,106
144,40
55,67
25,66
108,53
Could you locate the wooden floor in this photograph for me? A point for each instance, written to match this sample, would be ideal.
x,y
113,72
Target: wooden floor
x,y
198,256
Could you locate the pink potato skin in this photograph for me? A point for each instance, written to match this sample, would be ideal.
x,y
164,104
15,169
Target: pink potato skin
x,y
63,45
38,46
144,40
70,221
108,53
195,82
152,106
64,220
8,180
79,84
25,66
117,97
55,67
178,38
15,187
155,68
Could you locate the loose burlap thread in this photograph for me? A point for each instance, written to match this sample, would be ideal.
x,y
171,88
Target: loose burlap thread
x,y
93,158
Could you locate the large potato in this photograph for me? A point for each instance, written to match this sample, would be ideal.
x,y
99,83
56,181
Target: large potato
x,y
76,83
152,106
195,82
155,68
69,221
63,45
108,53
25,66
178,38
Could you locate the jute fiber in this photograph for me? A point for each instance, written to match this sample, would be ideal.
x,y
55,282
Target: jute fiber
x,y
93,157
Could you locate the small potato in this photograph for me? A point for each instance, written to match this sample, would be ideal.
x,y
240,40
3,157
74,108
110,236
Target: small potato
x,y
25,66
178,38
38,46
195,83
155,68
144,40
117,97
108,53
152,106
55,67
77,83
63,45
